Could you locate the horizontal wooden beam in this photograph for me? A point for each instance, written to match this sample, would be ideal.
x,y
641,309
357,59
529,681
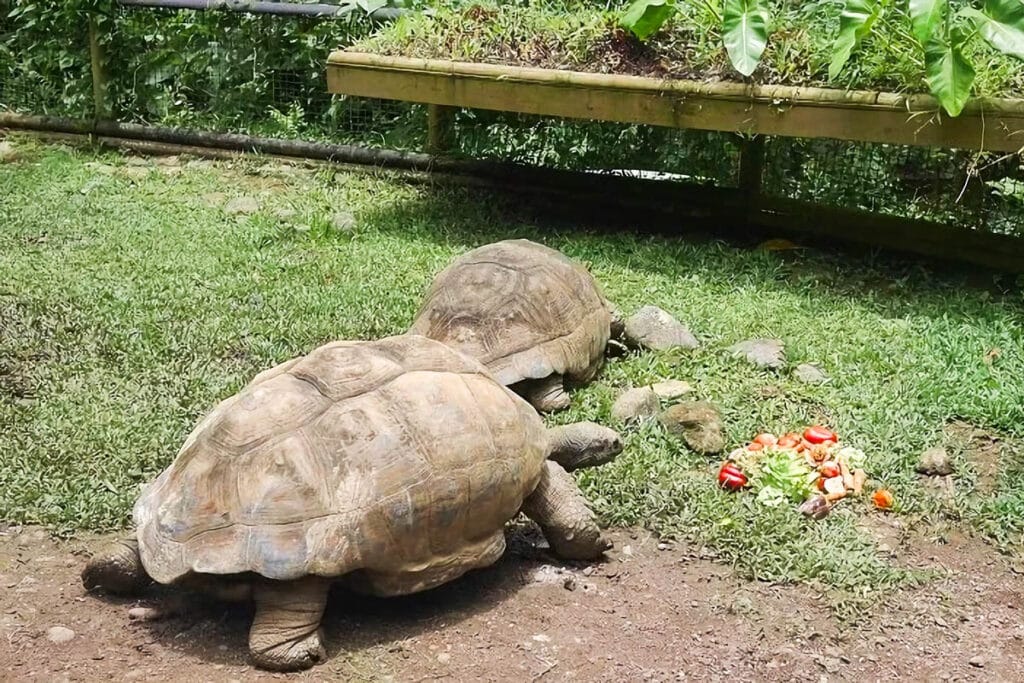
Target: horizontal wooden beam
x,y
986,124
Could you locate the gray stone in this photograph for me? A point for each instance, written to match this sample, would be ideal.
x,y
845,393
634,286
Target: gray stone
x,y
635,404
101,168
135,173
343,221
977,662
285,214
8,152
654,329
671,388
214,198
697,423
809,374
60,634
935,462
764,353
242,206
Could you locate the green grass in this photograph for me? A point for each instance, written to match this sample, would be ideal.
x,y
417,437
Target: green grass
x,y
579,35
128,308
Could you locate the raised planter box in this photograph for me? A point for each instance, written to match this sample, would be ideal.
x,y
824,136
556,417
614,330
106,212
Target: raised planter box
x,y
992,124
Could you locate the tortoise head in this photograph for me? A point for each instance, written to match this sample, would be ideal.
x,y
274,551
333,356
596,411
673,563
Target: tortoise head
x,y
584,444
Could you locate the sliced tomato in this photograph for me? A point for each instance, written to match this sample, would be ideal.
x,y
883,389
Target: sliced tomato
x,y
819,434
755,446
789,441
830,469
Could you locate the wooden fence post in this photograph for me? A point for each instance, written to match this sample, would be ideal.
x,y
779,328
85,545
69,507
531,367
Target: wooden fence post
x,y
99,72
440,128
751,165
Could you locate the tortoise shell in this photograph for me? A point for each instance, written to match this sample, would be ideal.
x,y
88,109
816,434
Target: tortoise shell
x,y
525,310
391,456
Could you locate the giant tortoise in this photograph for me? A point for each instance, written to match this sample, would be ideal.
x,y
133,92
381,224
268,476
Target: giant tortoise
x,y
533,316
391,465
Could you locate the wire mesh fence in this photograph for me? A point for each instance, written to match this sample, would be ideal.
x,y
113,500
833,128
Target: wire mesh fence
x,y
260,74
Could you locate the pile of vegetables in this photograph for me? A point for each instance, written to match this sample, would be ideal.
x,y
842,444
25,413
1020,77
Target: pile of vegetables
x,y
811,469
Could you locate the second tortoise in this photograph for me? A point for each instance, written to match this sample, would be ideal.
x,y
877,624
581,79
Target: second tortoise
x,y
537,319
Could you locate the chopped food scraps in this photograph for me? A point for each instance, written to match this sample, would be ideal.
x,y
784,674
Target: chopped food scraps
x,y
810,468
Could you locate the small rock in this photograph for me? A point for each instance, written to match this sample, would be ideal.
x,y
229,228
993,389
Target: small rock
x,y
627,550
663,546
243,206
635,405
977,662
60,634
214,198
285,214
809,374
935,462
671,388
91,185
764,353
569,584
443,658
588,571
144,614
654,329
101,168
135,173
7,152
698,423
829,664
541,638
343,221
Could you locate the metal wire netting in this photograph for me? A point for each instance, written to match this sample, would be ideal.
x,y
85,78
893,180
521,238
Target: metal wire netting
x,y
982,191
44,63
225,71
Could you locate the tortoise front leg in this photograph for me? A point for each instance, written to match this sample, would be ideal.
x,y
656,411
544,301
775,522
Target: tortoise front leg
x,y
562,513
546,395
285,633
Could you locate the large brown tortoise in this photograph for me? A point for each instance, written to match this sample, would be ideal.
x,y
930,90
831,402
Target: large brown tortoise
x,y
390,465
534,317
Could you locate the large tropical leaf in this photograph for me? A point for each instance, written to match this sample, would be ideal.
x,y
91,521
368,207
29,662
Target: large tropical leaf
x,y
745,33
1002,25
854,25
644,17
926,17
948,74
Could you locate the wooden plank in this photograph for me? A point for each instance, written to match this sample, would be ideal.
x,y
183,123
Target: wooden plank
x,y
986,124
989,250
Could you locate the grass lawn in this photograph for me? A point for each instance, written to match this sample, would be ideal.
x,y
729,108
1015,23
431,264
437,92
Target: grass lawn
x,y
583,36
131,301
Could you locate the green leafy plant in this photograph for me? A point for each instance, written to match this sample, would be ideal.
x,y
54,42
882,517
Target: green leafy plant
x,y
942,32
644,18
943,36
855,24
745,32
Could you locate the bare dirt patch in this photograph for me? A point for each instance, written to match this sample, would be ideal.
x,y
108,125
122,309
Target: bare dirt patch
x,y
985,451
652,612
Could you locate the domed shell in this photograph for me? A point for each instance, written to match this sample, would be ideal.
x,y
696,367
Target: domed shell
x,y
383,456
525,310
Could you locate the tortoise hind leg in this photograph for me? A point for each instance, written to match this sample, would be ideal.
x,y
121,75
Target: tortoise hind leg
x,y
546,395
285,633
117,569
562,513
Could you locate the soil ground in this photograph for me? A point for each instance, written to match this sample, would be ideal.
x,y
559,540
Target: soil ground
x,y
652,612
